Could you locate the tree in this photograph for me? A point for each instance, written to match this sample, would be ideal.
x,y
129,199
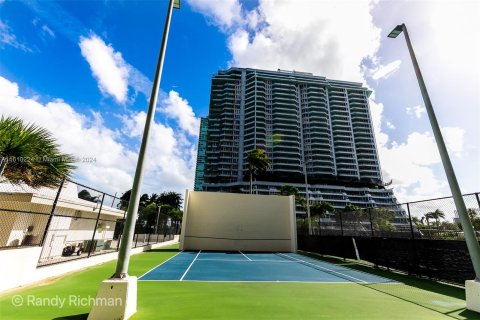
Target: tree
x,y
381,219
148,214
124,199
417,221
352,216
351,208
144,200
427,217
436,215
165,198
476,224
29,154
288,190
171,198
321,208
472,213
258,162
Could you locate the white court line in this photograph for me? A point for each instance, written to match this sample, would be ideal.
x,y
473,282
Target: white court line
x,y
230,260
362,272
345,275
160,264
271,281
181,279
245,255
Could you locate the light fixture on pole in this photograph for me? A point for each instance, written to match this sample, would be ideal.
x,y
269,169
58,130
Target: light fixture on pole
x,y
472,287
121,285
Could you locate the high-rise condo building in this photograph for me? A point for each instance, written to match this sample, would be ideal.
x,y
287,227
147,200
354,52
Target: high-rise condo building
x,y
201,150
317,132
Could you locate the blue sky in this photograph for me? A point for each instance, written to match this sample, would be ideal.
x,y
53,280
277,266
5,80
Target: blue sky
x,y
83,69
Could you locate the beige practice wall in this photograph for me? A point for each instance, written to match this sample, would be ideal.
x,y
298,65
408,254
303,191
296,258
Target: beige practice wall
x,y
232,221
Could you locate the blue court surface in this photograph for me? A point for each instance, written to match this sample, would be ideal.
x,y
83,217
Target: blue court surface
x,y
252,267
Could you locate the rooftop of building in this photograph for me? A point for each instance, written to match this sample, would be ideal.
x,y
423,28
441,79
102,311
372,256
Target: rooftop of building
x,y
299,75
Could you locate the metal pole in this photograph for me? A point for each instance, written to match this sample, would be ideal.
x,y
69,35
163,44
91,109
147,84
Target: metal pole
x,y
158,215
471,240
121,270
52,212
96,225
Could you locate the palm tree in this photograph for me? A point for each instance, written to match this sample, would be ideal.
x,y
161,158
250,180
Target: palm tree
x,y
30,155
321,208
288,190
258,162
436,215
427,217
171,198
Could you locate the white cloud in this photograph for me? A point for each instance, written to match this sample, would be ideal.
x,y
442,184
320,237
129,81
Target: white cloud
x,y
7,37
48,31
223,13
338,39
169,163
455,140
387,70
416,111
411,164
313,36
107,66
390,125
177,108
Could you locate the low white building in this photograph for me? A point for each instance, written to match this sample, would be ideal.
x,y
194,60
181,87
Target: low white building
x,y
24,212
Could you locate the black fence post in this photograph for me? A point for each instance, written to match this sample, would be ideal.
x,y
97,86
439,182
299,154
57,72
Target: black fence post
x,y
156,221
319,225
121,233
410,219
135,233
113,201
478,199
52,212
371,222
95,229
415,262
149,233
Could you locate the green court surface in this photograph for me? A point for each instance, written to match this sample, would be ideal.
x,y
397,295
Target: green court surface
x,y
409,299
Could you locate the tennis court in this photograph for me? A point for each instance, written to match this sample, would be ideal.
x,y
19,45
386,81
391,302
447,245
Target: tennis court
x,y
238,266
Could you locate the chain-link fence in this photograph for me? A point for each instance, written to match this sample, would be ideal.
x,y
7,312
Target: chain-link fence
x,y
423,238
428,219
73,221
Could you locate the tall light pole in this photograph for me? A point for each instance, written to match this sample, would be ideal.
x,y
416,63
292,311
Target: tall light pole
x,y
470,238
129,229
121,286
